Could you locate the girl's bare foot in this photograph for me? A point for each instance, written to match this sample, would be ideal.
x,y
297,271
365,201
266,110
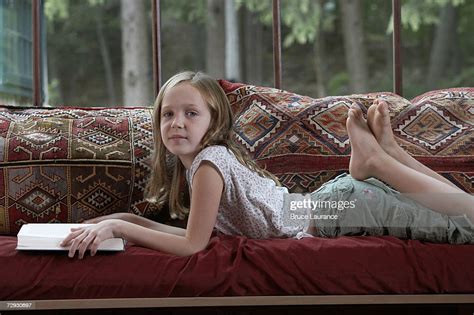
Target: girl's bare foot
x,y
366,153
378,119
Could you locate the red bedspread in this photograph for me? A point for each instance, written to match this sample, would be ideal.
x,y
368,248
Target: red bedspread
x,y
239,266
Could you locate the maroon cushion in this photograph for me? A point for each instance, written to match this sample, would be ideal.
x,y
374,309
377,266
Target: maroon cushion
x,y
239,266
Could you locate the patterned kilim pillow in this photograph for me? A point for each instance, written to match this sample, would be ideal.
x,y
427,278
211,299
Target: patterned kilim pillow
x,y
439,131
303,141
68,165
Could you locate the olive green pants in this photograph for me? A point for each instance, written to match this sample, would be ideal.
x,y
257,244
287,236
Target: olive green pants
x,y
345,206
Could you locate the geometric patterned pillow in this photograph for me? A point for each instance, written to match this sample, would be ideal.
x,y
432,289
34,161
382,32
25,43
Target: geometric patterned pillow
x,y
440,129
72,164
304,142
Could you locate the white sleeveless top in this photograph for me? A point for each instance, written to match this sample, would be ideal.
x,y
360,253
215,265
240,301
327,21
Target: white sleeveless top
x,y
251,205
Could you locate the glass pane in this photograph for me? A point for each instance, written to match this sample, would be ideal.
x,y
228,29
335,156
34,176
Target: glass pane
x,y
15,52
330,47
437,46
90,63
337,47
222,38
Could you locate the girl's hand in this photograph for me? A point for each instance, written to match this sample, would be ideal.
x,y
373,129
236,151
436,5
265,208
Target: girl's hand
x,y
119,215
82,239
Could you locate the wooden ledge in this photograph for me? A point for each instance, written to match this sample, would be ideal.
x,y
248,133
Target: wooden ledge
x,y
237,301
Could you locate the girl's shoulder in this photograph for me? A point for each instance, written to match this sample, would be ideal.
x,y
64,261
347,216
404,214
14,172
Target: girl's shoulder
x,y
214,150
220,156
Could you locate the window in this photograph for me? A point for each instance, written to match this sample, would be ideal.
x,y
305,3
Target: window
x,y
16,76
99,52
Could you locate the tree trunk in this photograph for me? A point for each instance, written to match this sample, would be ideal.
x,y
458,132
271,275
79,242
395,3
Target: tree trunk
x,y
135,50
356,56
199,44
104,53
455,63
319,54
442,42
232,43
55,75
253,49
388,42
215,43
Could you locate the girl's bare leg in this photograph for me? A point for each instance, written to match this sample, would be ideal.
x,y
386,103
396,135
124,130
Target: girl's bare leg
x,y
378,119
368,159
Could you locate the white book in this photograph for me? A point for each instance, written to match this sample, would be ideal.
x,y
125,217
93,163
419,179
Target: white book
x,y
48,236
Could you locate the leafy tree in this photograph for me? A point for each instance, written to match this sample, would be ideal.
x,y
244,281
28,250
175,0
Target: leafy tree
x,y
311,29
301,17
437,33
416,13
77,32
93,27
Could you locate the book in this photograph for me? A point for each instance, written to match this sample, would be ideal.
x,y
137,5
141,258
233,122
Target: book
x,y
48,236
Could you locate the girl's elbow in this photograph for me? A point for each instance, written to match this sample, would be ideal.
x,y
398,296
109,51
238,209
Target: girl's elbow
x,y
193,249
188,252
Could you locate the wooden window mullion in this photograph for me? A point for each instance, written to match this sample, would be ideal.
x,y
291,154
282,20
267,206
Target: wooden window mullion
x,y
277,74
156,17
397,56
36,32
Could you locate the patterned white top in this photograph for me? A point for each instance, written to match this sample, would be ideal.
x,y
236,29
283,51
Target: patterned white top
x,y
251,205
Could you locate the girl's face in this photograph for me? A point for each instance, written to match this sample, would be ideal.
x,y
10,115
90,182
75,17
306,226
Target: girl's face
x,y
185,119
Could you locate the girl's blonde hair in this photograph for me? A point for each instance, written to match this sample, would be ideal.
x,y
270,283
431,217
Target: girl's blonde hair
x,y
164,186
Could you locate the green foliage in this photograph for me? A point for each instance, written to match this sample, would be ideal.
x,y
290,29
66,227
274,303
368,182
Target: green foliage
x,y
54,91
59,9
303,22
75,67
95,3
56,9
302,17
263,8
465,78
185,10
339,83
416,13
73,48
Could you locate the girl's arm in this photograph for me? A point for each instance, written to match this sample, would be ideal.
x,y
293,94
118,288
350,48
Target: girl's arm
x,y
207,189
133,218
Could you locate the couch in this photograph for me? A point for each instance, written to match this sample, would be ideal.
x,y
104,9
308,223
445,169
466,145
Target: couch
x,y
70,164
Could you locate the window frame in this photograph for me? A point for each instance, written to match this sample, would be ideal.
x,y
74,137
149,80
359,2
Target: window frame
x,y
156,48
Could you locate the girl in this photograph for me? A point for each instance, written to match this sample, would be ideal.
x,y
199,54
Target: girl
x,y
193,121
